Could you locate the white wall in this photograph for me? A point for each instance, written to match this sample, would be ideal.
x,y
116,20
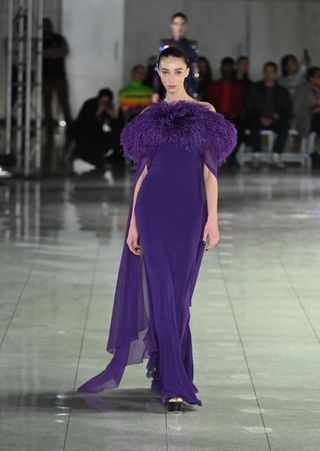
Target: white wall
x,y
94,30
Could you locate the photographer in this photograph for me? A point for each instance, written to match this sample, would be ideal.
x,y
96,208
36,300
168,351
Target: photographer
x,y
96,131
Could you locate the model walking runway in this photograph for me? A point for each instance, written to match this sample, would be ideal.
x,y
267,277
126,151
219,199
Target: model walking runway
x,y
154,290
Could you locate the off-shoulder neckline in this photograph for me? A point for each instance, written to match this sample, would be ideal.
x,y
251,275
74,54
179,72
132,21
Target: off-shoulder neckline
x,y
178,102
185,101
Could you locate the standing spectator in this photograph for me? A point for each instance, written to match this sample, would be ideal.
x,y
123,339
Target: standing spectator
x,y
178,25
205,77
227,96
293,73
269,106
55,49
306,104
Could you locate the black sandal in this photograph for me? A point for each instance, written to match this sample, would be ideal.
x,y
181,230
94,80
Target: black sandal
x,y
174,406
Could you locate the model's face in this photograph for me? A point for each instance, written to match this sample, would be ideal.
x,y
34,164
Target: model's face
x,y
270,74
172,72
178,27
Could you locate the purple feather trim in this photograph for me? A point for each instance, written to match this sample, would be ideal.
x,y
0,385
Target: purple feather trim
x,y
187,123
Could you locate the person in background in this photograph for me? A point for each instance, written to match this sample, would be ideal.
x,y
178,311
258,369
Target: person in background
x,y
227,96
151,63
135,96
55,49
178,25
269,106
241,73
205,77
294,76
293,73
96,132
306,103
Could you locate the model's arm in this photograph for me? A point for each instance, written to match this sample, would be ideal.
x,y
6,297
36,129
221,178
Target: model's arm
x,y
211,231
132,238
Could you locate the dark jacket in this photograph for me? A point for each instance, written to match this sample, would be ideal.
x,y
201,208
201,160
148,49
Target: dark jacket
x,y
255,101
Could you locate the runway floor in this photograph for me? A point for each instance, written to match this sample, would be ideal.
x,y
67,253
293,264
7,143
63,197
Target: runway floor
x,y
255,320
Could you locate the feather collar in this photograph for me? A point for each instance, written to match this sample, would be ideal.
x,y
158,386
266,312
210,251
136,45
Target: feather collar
x,y
187,123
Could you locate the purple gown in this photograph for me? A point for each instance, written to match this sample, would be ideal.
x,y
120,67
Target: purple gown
x,y
151,309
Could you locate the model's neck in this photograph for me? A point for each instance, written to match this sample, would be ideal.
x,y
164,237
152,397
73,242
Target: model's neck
x,y
177,96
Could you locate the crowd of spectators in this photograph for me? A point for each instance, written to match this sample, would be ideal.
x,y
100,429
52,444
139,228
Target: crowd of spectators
x,y
286,97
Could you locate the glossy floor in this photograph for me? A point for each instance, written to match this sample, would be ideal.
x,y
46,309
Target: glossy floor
x,y
255,320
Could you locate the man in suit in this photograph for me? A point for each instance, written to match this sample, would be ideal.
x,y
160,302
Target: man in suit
x,y
269,107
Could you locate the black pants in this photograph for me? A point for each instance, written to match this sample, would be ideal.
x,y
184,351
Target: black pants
x,y
240,124
280,127
315,123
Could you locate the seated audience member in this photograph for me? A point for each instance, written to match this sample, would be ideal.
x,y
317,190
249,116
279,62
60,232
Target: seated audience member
x,y
227,96
96,132
241,75
293,73
269,106
136,95
205,77
151,63
241,72
306,103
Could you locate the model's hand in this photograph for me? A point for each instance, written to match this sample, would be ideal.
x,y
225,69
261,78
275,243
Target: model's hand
x,y
211,231
132,240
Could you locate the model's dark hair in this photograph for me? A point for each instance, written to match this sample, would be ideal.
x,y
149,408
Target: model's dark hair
x,y
183,16
270,64
311,72
173,51
284,63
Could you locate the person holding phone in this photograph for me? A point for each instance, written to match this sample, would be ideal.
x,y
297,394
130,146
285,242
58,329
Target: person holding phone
x,y
294,73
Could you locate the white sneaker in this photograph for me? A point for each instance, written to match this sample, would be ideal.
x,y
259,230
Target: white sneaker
x,y
276,161
255,162
4,173
80,166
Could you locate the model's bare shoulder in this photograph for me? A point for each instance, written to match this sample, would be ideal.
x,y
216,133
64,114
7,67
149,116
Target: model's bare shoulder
x,y
209,106
147,107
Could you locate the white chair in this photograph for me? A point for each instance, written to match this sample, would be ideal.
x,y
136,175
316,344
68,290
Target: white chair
x,y
245,153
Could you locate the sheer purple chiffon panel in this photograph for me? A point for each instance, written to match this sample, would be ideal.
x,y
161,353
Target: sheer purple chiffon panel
x,y
129,321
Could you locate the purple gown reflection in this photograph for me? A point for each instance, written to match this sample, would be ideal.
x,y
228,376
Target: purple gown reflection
x,y
151,309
